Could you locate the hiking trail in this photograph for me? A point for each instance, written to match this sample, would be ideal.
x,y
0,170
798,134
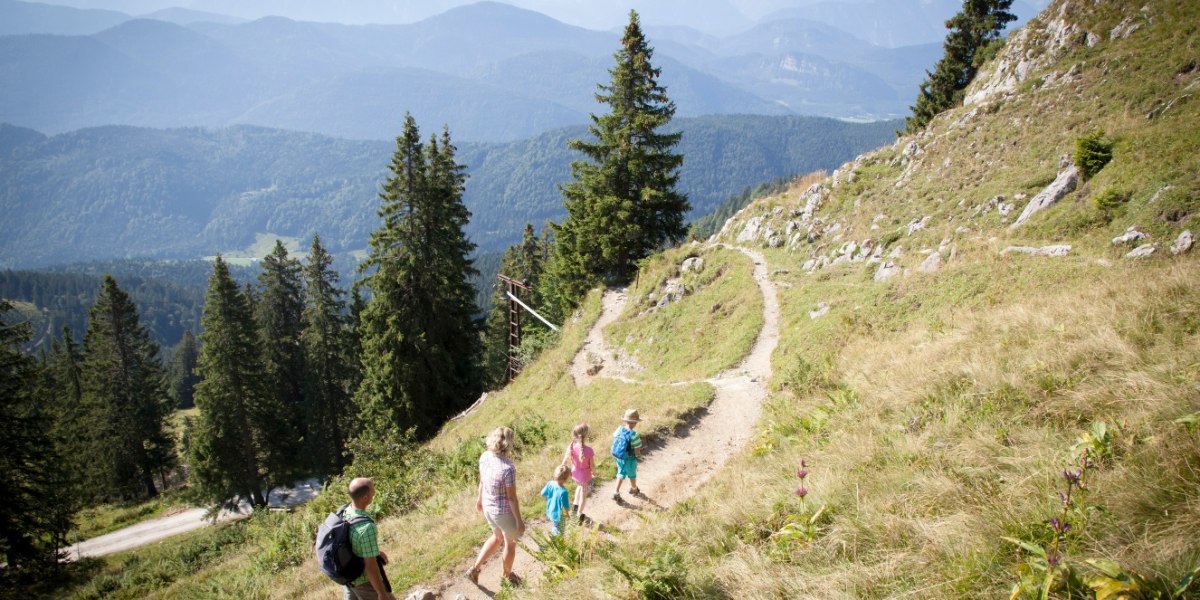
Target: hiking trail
x,y
674,469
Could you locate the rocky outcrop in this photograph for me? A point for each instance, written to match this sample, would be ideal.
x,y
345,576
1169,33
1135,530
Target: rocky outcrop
x,y
932,263
822,310
887,271
1064,184
1143,251
1056,250
1183,243
694,264
1131,235
1027,53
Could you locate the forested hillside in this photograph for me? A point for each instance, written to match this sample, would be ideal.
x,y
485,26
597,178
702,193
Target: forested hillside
x,y
185,193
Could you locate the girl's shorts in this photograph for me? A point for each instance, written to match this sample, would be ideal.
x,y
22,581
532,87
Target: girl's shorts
x,y
506,523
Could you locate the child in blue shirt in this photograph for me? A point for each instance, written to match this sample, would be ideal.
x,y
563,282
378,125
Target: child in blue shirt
x,y
557,498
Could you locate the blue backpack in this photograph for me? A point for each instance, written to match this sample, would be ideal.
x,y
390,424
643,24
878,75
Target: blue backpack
x,y
621,443
334,553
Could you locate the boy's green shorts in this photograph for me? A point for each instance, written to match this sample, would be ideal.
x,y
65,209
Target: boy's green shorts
x,y
627,468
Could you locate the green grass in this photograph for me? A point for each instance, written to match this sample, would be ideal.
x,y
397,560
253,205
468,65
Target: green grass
x,y
935,411
677,342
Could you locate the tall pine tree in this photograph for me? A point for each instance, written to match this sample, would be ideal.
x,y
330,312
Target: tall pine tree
x,y
33,517
420,347
978,24
125,397
278,313
227,449
181,374
622,204
330,372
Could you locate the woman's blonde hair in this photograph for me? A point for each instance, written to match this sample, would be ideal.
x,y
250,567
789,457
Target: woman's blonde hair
x,y
500,440
580,432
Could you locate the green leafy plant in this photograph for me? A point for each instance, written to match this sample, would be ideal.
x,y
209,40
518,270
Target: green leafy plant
x,y
562,555
662,577
1109,201
1045,568
1092,152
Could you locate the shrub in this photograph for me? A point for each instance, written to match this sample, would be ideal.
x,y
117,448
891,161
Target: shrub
x,y
1092,152
1108,201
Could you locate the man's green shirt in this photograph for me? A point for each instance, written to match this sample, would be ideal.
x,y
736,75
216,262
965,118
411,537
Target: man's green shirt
x,y
362,540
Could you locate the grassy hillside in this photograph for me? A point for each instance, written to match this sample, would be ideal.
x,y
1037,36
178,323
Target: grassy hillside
x,y
934,412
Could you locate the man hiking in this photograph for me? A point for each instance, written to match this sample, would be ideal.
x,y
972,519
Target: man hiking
x,y
372,584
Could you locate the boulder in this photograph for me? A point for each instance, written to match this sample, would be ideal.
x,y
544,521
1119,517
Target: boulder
x,y
775,241
1063,184
750,231
693,264
916,225
1183,243
932,263
1142,251
1130,235
812,199
1124,29
1057,250
421,594
886,271
822,310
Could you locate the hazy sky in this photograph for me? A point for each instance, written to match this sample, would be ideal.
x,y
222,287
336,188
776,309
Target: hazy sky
x,y
713,16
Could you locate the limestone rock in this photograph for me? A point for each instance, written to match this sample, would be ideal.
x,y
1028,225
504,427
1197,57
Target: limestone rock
x,y
812,198
1130,235
1057,250
693,264
1142,251
886,271
916,225
1124,29
1183,243
775,241
421,594
1063,184
932,263
822,310
750,231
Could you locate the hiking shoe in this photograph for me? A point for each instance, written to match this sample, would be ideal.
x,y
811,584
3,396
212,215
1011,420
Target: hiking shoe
x,y
473,575
636,492
513,579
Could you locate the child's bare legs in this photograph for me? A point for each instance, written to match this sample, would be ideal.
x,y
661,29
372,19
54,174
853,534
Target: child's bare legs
x,y
581,496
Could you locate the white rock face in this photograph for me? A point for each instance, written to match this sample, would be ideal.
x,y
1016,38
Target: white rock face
x,y
693,264
822,310
813,197
1124,29
1131,235
1142,251
750,231
1063,184
1183,243
1054,251
1024,55
886,271
932,263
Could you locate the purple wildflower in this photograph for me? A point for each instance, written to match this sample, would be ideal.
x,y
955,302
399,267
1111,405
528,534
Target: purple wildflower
x,y
802,491
1072,477
801,473
1060,526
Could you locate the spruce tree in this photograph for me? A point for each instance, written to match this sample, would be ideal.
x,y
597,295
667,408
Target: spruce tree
x,y
182,372
622,204
226,452
125,397
36,511
420,346
978,24
278,313
329,357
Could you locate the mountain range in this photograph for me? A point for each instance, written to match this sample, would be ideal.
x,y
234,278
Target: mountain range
x,y
508,73
119,191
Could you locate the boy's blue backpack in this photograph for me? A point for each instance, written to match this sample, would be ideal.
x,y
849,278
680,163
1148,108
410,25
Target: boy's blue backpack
x,y
621,441
334,554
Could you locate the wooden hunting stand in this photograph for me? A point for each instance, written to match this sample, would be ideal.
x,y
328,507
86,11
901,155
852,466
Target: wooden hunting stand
x,y
514,321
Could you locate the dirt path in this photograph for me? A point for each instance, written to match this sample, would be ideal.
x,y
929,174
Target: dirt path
x,y
675,469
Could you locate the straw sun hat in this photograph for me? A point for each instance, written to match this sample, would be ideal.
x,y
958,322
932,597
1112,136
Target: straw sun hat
x,y
631,416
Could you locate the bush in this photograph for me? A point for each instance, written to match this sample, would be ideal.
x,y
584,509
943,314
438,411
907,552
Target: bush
x,y
1108,201
1092,152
